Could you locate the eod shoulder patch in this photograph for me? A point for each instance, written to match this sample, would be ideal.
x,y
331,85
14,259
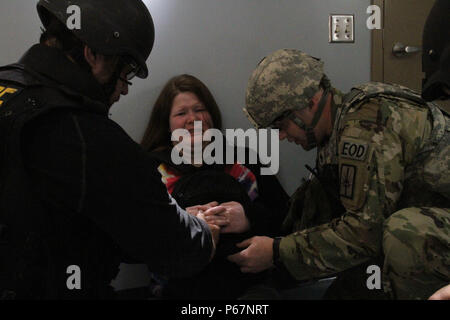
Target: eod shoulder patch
x,y
353,150
354,158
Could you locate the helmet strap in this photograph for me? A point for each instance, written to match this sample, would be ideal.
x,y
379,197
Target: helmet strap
x,y
110,86
310,135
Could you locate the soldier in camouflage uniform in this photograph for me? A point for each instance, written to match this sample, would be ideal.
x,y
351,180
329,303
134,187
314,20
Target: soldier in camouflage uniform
x,y
436,66
381,187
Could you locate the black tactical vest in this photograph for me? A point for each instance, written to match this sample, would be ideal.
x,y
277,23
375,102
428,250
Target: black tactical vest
x,y
29,249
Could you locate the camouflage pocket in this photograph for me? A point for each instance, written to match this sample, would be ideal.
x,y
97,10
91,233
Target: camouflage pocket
x,y
311,206
436,167
295,208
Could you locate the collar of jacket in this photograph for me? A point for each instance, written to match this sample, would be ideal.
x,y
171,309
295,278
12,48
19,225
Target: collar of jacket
x,y
165,157
338,98
327,151
53,65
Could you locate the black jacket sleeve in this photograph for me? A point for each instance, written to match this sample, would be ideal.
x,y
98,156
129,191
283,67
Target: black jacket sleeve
x,y
268,211
85,164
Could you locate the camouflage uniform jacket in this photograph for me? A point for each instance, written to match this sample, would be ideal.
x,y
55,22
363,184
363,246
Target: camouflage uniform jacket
x,y
392,151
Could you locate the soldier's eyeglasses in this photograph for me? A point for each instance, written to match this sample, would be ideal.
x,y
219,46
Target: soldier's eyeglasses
x,y
125,81
277,123
131,68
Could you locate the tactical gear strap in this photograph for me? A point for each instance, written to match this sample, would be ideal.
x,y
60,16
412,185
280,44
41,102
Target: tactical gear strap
x,y
276,252
333,111
322,103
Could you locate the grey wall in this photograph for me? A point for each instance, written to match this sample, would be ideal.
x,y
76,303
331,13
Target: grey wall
x,y
219,42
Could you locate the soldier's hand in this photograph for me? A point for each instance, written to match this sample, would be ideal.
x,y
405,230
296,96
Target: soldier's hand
x,y
441,294
256,257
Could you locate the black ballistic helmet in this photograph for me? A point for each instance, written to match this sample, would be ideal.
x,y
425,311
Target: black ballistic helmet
x,y
436,52
118,27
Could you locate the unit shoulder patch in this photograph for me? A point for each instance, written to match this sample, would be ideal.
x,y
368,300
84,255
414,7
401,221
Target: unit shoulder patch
x,y
7,91
347,181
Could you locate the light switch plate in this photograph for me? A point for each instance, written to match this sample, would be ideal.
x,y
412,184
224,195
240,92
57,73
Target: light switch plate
x,y
342,28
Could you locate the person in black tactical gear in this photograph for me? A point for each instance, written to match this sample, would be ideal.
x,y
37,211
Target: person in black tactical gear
x,y
77,194
436,53
436,65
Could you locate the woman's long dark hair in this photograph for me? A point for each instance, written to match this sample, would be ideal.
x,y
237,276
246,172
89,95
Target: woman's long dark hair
x,y
157,135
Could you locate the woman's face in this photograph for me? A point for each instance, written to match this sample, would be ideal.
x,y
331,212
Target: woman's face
x,y
187,108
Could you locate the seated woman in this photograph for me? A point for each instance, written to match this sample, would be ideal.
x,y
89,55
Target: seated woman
x,y
239,200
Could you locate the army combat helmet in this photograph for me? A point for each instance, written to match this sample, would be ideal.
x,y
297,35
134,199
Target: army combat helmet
x,y
436,52
119,27
283,82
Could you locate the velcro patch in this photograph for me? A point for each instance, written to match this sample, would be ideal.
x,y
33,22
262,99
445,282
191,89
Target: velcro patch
x,y
353,150
347,181
7,92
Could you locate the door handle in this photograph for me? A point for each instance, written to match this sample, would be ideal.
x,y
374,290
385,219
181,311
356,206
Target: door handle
x,y
400,50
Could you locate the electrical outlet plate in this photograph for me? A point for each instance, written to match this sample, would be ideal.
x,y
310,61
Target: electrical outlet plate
x,y
342,28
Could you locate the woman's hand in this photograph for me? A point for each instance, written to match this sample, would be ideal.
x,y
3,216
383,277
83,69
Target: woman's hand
x,y
194,210
229,216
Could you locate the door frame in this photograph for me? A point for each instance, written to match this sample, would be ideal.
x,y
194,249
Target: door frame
x,y
377,54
